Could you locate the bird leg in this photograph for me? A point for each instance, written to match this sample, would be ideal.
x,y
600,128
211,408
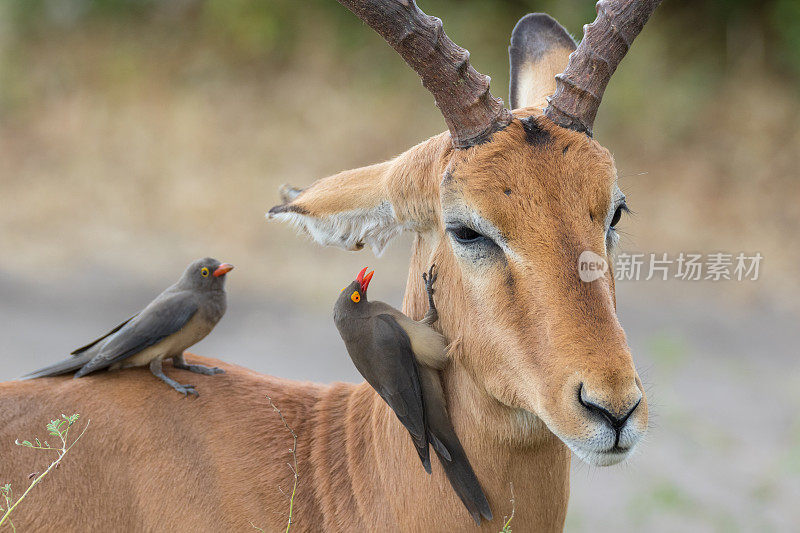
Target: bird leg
x,y
155,368
432,315
179,362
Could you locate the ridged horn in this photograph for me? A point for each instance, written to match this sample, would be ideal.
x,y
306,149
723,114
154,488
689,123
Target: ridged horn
x,y
580,88
462,94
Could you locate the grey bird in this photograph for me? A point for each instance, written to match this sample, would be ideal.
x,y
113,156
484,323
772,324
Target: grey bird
x,y
178,318
400,358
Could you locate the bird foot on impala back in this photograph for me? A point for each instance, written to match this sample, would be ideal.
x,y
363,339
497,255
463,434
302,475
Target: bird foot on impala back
x,y
180,362
186,389
206,370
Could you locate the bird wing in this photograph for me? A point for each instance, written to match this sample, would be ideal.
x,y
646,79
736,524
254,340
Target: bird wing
x,y
159,320
428,345
402,390
82,349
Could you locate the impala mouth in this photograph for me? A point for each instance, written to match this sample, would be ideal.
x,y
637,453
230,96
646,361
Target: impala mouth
x,y
601,449
594,441
607,457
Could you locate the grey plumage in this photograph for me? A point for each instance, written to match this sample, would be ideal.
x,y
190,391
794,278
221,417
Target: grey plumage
x,y
179,317
393,374
400,358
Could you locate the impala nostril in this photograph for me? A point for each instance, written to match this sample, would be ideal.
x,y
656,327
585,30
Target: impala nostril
x,y
614,420
629,413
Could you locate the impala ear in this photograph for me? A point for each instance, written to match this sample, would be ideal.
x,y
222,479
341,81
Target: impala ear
x,y
349,210
371,205
540,49
365,206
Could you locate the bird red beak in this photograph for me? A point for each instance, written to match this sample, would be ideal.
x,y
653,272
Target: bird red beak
x,y
364,280
223,269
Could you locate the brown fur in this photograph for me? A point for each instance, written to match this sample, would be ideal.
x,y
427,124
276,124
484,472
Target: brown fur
x,y
155,461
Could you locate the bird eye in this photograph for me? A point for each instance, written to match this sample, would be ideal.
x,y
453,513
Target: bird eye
x,y
355,297
204,272
465,235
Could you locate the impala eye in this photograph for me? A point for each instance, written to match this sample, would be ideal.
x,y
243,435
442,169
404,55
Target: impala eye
x,y
622,208
204,272
465,235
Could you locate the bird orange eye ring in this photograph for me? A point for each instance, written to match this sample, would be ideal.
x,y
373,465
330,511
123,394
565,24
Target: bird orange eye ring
x,y
355,297
204,272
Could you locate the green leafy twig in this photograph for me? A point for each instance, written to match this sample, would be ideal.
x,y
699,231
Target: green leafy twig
x,y
8,494
56,428
293,468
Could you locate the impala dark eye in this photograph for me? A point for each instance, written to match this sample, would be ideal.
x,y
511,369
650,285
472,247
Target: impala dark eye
x,y
622,208
465,235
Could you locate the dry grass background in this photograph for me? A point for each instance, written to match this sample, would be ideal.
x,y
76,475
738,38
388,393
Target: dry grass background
x,y
123,145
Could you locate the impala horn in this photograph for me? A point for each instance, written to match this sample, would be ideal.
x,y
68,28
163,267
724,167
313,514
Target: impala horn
x,y
471,112
580,87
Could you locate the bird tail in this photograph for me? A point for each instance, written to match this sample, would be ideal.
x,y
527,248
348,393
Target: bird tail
x,y
64,367
463,479
448,448
424,454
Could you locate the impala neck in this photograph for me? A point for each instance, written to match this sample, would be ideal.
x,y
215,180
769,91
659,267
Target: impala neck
x,y
506,446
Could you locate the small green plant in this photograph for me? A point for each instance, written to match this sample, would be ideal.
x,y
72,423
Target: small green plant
x,y
292,467
507,520
56,428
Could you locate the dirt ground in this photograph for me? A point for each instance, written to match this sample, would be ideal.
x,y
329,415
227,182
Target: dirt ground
x,y
722,453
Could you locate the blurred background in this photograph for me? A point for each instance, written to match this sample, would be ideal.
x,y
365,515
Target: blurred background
x,y
136,136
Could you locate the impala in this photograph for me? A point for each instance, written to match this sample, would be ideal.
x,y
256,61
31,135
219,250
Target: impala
x,y
503,203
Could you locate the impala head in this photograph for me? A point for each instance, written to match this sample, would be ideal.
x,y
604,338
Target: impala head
x,y
504,204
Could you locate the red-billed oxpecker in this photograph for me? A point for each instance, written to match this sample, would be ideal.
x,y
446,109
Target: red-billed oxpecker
x,y
179,317
400,358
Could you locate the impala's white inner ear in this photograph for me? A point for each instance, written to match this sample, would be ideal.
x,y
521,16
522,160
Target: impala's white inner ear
x,y
351,230
539,50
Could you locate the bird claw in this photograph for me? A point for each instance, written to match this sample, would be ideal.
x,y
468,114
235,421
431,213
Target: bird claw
x,y
430,278
199,369
187,390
